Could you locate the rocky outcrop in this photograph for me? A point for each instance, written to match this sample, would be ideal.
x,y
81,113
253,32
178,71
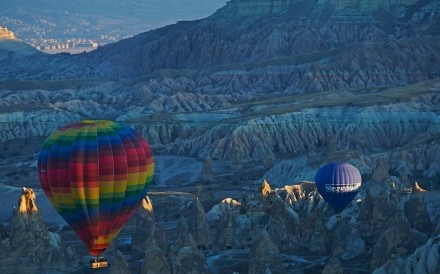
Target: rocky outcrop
x,y
30,242
239,227
155,261
170,207
144,228
416,211
425,259
119,264
187,258
206,176
378,211
347,242
265,256
333,266
395,241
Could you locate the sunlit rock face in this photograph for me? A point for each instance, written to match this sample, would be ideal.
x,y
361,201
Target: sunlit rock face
x,y
30,242
240,226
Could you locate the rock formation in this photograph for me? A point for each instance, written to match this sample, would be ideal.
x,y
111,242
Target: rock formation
x,y
265,256
184,255
207,176
395,241
425,259
170,207
333,266
377,211
155,261
119,264
30,242
144,227
416,211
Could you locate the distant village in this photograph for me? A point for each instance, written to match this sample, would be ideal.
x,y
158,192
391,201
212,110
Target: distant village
x,y
45,35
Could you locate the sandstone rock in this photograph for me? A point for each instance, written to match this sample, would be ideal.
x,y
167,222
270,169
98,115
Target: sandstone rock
x,y
189,259
320,240
264,256
416,211
380,174
425,259
395,241
160,238
144,227
346,241
377,212
225,205
333,266
3,234
172,206
207,176
154,260
29,239
119,265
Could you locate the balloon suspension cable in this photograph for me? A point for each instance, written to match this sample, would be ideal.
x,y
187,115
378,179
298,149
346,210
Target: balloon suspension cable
x,y
99,262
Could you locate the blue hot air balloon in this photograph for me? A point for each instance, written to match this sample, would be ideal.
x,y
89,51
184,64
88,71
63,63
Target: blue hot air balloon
x,y
338,184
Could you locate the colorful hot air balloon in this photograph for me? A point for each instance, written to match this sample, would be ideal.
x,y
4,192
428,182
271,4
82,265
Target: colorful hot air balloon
x,y
95,174
338,184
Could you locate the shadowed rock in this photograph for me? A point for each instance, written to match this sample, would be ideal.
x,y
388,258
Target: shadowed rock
x,y
416,211
264,256
396,241
144,227
189,259
119,265
425,259
155,261
29,239
333,266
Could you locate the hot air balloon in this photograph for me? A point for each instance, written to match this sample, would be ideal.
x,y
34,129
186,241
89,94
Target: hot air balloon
x,y
95,174
338,184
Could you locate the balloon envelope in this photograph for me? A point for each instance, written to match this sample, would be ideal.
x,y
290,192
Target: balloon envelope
x,y
95,173
338,184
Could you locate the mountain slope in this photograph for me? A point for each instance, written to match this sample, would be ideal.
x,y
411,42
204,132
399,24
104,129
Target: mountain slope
x,y
221,39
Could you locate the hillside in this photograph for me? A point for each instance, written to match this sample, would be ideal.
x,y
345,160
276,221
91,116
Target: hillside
x,y
317,32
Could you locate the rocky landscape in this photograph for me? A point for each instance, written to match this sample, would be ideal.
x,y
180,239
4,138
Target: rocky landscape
x,y
282,230
259,90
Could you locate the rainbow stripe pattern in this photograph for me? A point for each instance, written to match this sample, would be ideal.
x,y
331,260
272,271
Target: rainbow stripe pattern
x,y
95,174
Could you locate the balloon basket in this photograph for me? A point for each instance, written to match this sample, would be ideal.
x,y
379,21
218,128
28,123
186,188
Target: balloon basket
x,y
99,262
